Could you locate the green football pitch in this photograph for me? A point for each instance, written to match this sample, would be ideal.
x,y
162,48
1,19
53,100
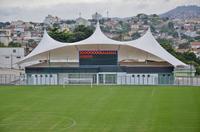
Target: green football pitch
x,y
99,109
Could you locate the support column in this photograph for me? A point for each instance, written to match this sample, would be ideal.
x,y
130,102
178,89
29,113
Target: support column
x,y
97,78
104,78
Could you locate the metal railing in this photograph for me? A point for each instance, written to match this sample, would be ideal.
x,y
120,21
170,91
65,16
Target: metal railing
x,y
9,79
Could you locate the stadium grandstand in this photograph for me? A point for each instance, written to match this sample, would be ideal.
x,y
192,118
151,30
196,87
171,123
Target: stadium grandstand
x,y
105,61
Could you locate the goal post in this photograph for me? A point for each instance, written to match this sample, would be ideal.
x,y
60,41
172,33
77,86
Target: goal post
x,y
77,81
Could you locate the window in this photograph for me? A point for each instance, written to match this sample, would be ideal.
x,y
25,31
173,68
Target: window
x,y
7,57
163,75
46,75
51,76
40,75
18,57
169,75
148,75
143,75
138,75
14,51
133,75
36,76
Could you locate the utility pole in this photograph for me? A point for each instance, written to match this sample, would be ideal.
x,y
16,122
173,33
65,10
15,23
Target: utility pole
x,y
107,14
11,61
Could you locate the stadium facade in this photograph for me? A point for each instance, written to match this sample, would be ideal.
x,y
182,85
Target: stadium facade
x,y
105,61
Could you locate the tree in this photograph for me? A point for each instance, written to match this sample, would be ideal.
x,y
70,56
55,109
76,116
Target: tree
x,y
80,32
155,15
86,30
187,57
197,38
30,28
152,28
142,16
165,41
70,22
31,43
175,34
14,44
184,46
56,25
145,22
198,70
171,25
135,35
198,32
165,19
1,45
7,23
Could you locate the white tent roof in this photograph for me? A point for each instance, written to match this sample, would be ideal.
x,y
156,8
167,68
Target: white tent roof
x,y
146,43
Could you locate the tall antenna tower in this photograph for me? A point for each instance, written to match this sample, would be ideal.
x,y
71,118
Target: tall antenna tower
x,y
107,14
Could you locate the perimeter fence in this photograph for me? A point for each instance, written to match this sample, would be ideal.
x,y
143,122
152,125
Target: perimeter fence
x,y
9,79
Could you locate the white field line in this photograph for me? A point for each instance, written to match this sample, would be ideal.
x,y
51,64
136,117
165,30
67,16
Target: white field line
x,y
53,126
152,93
73,123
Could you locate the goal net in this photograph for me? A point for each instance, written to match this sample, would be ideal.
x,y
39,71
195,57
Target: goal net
x,y
77,81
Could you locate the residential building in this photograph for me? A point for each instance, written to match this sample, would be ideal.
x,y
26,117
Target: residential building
x,y
5,36
82,21
96,16
195,45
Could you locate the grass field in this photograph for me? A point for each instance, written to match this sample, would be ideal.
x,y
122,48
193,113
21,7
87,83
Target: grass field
x,y
99,109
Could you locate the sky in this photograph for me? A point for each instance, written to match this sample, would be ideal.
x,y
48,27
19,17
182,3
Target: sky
x,y
37,10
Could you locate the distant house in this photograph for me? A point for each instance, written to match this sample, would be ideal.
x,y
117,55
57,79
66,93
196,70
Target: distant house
x,y
182,50
188,27
17,23
196,52
50,20
135,27
191,34
195,45
19,28
96,16
5,36
64,27
82,21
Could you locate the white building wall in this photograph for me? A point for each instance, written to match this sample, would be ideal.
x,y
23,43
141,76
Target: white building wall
x,y
10,56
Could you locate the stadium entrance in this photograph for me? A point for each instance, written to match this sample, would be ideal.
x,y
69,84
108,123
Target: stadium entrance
x,y
107,78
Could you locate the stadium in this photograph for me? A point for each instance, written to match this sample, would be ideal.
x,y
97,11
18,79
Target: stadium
x,y
121,107
101,59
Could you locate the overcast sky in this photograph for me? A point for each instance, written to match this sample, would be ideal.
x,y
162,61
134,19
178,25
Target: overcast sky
x,y
36,10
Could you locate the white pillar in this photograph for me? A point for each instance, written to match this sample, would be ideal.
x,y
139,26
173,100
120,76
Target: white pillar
x,y
97,78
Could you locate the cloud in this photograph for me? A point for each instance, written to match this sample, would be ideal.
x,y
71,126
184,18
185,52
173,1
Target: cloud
x,y
36,10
